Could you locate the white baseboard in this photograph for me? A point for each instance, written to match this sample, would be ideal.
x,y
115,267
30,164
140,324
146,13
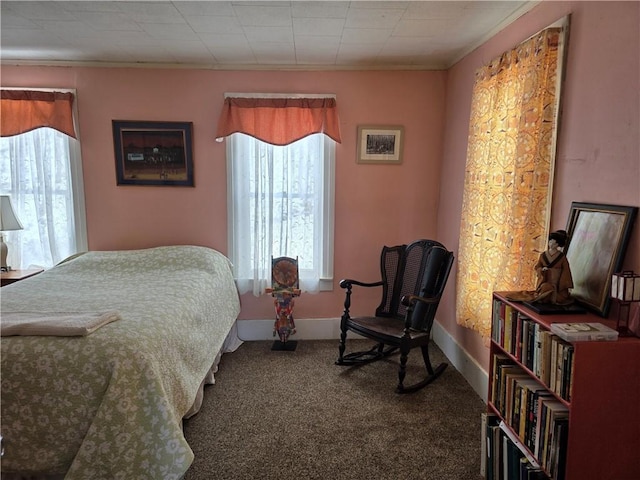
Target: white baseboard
x,y
329,329
470,369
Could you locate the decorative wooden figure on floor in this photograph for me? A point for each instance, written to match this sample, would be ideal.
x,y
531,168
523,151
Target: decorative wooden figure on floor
x,y
285,285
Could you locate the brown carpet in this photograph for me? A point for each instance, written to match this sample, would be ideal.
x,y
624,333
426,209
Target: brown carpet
x,y
296,415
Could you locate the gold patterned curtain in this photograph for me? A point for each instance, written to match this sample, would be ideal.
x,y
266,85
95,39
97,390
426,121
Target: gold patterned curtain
x,y
509,175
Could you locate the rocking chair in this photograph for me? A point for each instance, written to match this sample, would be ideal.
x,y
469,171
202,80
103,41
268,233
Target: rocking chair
x,y
413,279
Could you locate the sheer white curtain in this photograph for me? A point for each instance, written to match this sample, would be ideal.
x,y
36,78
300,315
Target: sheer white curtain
x,y
281,204
41,172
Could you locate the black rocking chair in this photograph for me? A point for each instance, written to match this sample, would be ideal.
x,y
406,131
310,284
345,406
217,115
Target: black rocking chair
x,y
413,279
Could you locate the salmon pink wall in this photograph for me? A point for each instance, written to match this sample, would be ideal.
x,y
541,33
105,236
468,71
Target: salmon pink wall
x,y
375,204
598,148
598,157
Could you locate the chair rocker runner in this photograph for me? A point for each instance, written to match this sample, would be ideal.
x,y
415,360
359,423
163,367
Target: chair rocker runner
x,y
413,279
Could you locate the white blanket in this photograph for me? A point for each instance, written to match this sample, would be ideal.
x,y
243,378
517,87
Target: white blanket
x,y
60,324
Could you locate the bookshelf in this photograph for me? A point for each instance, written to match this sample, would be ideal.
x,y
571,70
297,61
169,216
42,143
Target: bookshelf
x,y
571,408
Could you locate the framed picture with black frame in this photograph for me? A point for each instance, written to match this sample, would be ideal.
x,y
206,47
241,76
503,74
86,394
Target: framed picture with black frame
x,y
598,238
153,153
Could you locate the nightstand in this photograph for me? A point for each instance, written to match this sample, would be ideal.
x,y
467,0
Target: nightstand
x,y
17,275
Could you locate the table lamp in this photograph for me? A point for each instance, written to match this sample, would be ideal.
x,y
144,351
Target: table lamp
x,y
625,289
8,221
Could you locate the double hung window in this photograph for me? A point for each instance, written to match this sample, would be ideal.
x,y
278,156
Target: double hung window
x,y
40,169
281,175
281,204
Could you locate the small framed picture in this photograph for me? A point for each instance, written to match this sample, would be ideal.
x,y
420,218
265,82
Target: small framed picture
x,y
153,153
380,144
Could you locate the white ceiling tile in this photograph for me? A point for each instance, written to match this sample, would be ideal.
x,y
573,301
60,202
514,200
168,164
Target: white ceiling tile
x,y
67,28
319,43
319,9
151,12
89,6
185,47
434,10
239,56
40,10
324,51
421,28
208,8
318,26
373,18
261,15
107,20
10,20
30,39
406,46
357,33
269,34
365,35
169,31
224,41
275,56
354,50
377,4
214,24
119,38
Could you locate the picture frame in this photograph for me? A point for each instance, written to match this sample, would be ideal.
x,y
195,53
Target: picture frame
x,y
153,153
378,144
598,238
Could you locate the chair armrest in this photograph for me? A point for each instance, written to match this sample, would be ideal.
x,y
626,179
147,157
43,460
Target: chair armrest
x,y
409,300
347,282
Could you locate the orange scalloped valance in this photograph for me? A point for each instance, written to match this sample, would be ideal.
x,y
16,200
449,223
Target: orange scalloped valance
x,y
26,110
279,121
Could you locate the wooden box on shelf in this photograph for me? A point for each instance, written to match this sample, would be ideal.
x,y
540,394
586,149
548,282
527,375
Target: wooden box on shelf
x,y
571,408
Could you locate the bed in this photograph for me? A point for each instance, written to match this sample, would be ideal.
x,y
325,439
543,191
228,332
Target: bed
x,y
108,403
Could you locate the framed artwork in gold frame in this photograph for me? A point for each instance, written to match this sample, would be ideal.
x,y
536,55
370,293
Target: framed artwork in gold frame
x,y
598,238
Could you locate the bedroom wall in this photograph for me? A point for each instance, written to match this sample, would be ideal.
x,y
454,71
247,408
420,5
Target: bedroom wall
x,y
598,157
375,204
598,149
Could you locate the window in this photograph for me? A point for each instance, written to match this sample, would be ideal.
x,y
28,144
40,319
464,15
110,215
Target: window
x,y
41,171
281,203
509,174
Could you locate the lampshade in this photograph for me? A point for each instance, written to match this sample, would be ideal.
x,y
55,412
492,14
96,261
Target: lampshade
x,y
8,218
625,286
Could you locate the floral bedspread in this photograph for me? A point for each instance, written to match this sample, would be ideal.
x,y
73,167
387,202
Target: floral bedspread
x,y
110,405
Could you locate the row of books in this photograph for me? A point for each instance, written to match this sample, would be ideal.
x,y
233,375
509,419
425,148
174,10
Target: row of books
x,y
502,458
543,353
538,420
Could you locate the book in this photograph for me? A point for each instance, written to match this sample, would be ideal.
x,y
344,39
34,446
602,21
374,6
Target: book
x,y
507,431
483,444
507,328
512,456
508,400
578,332
546,338
537,348
489,422
499,361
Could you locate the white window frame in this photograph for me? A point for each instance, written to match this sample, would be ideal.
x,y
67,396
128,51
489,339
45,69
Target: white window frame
x,y
75,166
326,277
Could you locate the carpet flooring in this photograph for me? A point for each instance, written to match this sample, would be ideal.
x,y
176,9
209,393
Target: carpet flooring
x,y
296,415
